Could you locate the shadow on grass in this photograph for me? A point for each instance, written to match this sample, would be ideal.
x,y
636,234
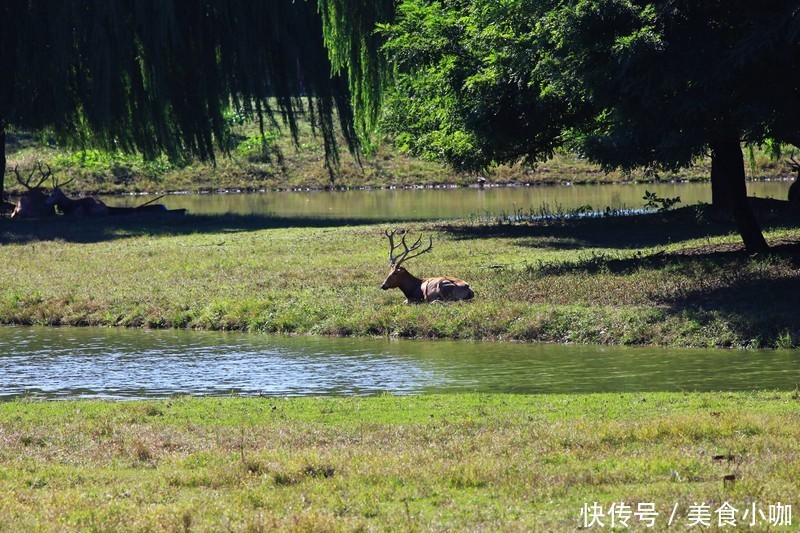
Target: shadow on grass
x,y
760,308
630,231
720,293
92,230
613,231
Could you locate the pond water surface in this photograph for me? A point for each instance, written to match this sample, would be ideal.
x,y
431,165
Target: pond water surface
x,y
127,364
448,203
137,364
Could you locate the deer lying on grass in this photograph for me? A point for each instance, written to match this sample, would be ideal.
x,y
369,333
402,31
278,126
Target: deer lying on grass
x,y
33,202
86,206
794,188
420,290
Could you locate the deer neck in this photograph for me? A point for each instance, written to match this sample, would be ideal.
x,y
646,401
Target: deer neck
x,y
411,287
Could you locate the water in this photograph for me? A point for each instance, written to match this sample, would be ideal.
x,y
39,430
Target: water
x,y
136,364
127,364
425,204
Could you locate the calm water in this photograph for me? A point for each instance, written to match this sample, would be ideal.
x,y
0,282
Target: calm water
x,y
128,364
101,363
421,204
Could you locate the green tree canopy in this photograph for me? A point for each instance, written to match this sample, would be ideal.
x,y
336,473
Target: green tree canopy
x,y
157,77
471,83
627,84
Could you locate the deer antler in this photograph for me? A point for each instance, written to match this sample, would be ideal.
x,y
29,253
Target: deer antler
x,y
59,184
27,182
44,174
396,260
392,246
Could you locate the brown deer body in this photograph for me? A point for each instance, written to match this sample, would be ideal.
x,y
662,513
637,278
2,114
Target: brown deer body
x,y
33,202
87,206
416,289
794,188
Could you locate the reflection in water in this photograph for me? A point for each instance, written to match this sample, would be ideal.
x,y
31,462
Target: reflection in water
x,y
422,204
110,363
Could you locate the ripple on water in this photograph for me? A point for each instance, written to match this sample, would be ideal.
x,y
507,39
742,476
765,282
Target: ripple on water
x,y
134,364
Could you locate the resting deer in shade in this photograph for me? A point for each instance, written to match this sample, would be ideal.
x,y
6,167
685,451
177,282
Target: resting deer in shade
x,y
794,188
416,289
33,202
85,206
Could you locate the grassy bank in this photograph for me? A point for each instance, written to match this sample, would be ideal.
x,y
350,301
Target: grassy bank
x,y
282,164
425,463
677,279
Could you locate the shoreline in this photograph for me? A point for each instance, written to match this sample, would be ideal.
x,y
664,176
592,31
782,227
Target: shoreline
x,y
13,193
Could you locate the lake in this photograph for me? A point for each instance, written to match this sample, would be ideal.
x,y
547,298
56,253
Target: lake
x,y
132,364
60,363
443,203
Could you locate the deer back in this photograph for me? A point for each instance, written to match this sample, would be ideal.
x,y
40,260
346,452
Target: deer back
x,y
93,207
446,288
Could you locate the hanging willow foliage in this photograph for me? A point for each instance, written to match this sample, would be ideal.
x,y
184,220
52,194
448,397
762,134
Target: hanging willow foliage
x,y
355,50
156,76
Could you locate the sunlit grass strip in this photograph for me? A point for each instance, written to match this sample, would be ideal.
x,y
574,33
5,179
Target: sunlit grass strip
x,y
302,165
429,462
550,283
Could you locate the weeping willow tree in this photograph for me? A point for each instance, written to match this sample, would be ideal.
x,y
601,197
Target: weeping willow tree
x,y
354,46
157,77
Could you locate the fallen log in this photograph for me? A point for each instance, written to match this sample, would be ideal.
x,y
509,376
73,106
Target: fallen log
x,y
147,207
152,209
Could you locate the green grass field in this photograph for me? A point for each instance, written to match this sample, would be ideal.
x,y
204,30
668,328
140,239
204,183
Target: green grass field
x,y
457,462
672,279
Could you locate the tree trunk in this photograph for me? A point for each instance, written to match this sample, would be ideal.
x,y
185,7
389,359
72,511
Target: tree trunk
x,y
2,163
727,159
719,194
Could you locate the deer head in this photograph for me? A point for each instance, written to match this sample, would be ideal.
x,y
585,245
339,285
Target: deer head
x,y
57,196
